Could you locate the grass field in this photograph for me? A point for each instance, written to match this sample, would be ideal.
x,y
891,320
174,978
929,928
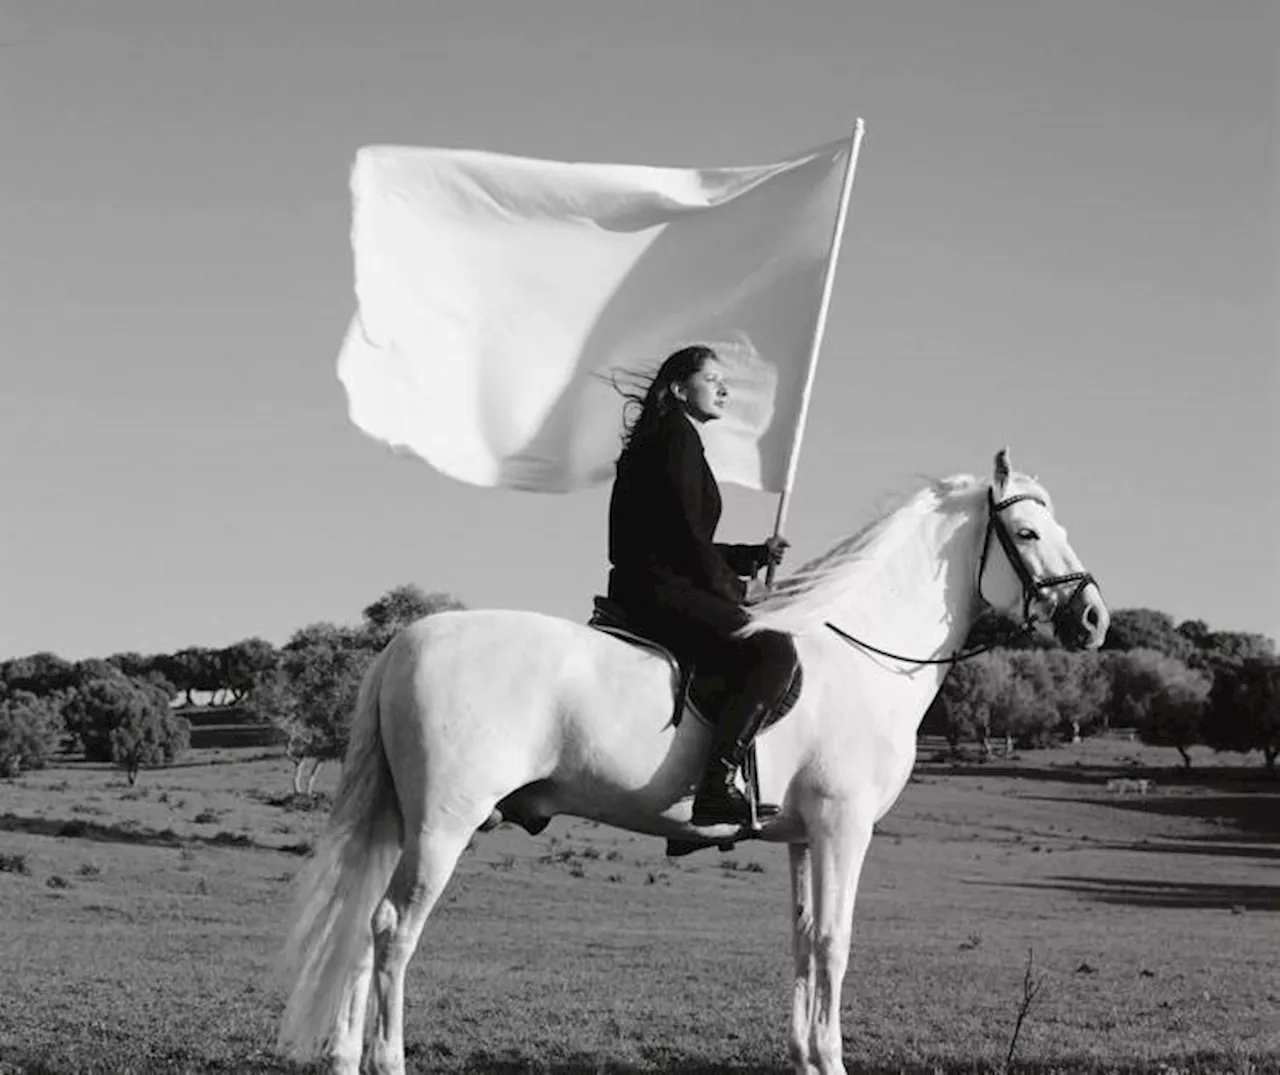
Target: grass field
x,y
139,927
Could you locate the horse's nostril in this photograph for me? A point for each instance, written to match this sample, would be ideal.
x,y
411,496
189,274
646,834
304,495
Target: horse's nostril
x,y
1091,616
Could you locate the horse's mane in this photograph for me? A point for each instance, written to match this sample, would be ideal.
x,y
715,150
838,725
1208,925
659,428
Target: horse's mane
x,y
831,579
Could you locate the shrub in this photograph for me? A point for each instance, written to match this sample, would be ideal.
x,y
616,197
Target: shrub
x,y
1244,708
1159,695
30,730
127,722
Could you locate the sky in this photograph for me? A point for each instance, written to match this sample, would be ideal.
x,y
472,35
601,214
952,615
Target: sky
x,y
1062,238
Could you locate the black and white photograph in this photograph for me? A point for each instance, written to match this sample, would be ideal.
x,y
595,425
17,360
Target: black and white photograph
x,y
709,537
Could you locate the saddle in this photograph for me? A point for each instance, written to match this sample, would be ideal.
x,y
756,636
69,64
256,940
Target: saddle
x,y
698,689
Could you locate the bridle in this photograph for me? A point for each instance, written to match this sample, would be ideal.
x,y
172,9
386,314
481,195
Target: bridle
x,y
1032,588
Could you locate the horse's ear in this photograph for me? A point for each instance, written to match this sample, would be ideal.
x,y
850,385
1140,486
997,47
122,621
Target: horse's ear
x,y
1003,470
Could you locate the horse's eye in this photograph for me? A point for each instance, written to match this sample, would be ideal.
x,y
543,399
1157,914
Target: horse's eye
x,y
1027,534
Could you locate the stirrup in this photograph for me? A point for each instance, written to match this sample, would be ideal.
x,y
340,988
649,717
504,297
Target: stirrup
x,y
758,811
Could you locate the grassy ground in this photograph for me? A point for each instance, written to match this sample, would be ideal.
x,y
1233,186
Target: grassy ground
x,y
139,926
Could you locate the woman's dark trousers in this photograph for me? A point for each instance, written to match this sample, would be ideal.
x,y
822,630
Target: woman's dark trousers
x,y
699,628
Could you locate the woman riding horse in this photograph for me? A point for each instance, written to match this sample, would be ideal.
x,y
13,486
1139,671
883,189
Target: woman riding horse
x,y
679,587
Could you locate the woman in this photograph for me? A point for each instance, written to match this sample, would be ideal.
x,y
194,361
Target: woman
x,y
676,584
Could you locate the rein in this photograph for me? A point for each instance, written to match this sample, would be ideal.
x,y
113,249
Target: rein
x,y
1031,587
955,658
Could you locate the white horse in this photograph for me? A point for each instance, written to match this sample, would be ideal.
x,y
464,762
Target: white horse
x,y
466,717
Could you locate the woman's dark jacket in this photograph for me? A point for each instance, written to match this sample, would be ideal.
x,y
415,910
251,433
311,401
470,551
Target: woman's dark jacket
x,y
662,519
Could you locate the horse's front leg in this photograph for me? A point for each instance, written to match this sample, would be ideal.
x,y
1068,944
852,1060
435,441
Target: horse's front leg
x,y
802,994
839,837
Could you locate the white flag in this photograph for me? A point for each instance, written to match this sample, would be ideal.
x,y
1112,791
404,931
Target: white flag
x,y
502,301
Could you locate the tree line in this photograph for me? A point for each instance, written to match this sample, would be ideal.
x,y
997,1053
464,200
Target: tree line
x,y
125,709
1176,685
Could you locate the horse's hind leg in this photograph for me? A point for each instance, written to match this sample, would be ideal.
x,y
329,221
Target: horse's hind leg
x,y
430,855
344,1051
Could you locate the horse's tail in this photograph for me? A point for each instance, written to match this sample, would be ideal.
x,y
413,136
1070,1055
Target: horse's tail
x,y
340,886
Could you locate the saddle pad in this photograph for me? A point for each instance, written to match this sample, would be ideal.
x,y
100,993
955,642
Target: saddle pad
x,y
641,641
699,691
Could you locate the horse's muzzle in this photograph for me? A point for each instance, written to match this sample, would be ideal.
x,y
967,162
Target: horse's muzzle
x,y
1081,622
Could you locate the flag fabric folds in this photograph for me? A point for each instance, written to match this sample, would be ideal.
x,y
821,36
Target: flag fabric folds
x,y
504,303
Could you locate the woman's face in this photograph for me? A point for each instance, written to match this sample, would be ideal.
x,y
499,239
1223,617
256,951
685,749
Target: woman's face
x,y
703,394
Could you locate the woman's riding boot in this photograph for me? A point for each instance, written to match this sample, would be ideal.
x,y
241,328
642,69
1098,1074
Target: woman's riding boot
x,y
718,800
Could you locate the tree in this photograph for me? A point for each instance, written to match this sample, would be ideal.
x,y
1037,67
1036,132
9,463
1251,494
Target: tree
x,y
92,668
1145,628
127,722
144,668
401,606
30,730
195,668
962,708
1022,710
134,665
311,693
999,629
1160,696
1195,631
243,663
41,674
1066,697
1244,709
1083,687
1232,647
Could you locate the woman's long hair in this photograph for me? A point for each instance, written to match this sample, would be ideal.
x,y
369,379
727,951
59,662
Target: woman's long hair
x,y
657,400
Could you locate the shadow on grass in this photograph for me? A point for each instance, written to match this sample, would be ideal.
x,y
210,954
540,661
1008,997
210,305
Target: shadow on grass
x,y
1213,846
1168,894
1255,816
1257,813
80,829
1237,778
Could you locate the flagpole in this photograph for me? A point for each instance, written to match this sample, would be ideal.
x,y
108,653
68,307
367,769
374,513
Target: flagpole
x,y
828,282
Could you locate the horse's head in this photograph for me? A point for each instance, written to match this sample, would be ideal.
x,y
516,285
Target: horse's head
x,y
1030,570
